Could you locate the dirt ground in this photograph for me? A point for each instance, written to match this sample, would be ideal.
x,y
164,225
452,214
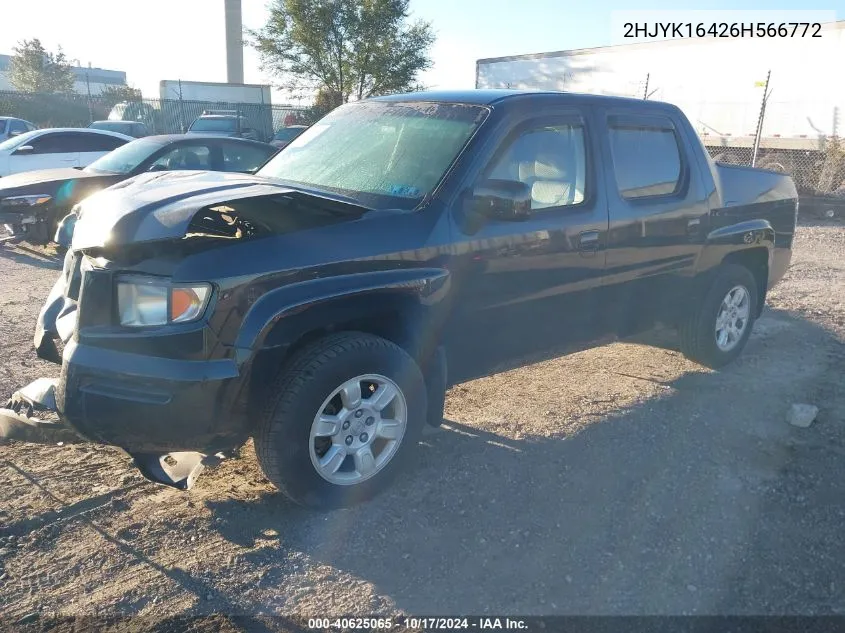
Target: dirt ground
x,y
620,480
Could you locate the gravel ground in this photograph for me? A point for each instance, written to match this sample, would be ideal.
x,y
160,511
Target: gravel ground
x,y
619,480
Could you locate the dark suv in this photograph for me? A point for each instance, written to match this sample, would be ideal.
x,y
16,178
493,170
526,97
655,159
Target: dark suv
x,y
224,123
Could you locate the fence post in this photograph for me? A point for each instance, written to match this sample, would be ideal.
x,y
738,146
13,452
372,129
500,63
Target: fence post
x,y
181,109
760,119
88,85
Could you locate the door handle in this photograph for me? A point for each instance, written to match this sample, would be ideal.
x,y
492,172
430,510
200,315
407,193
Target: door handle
x,y
693,226
588,241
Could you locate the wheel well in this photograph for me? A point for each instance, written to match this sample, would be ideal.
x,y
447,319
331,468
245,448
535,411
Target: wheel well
x,y
755,260
398,325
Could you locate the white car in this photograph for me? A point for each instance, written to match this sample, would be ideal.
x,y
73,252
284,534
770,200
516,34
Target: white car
x,y
57,147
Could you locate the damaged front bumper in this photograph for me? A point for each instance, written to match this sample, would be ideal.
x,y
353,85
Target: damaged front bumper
x,y
169,415
31,416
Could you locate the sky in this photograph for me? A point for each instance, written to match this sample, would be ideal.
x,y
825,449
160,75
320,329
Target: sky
x,y
184,39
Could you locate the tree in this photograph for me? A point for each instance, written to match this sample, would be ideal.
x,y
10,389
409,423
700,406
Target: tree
x,y
344,48
117,94
34,69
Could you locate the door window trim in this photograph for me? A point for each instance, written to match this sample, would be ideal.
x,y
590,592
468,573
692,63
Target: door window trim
x,y
573,118
617,119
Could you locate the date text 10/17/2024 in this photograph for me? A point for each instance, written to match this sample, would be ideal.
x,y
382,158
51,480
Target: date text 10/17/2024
x,y
416,623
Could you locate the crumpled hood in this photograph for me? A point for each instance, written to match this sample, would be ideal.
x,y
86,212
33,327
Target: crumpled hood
x,y
160,206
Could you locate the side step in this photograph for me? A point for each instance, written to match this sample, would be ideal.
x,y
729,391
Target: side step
x,y
18,419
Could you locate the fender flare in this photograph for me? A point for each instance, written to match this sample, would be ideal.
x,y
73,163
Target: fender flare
x,y
281,316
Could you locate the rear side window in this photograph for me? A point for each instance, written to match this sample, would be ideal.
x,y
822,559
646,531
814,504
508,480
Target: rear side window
x,y
646,157
97,142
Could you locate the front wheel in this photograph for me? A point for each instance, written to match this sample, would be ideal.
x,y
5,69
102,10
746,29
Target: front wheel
x,y
716,332
346,414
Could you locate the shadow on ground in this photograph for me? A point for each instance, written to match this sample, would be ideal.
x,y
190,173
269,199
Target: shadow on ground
x,y
664,507
23,254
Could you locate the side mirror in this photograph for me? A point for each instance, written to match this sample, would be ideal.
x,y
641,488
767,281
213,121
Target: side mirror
x,y
25,149
15,133
507,200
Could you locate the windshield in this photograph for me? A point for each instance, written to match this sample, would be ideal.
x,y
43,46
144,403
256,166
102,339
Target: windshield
x,y
17,141
125,158
214,125
382,154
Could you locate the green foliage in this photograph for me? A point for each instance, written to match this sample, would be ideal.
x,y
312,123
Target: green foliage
x,y
112,95
34,69
344,48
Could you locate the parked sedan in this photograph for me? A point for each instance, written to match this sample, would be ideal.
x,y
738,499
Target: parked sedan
x,y
10,126
31,204
57,147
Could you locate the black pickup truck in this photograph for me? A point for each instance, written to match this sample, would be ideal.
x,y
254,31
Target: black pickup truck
x,y
400,245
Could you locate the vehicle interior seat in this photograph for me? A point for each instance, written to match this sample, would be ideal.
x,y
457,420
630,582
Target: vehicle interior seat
x,y
551,171
190,160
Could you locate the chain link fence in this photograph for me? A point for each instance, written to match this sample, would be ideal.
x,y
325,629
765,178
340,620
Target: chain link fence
x,y
161,116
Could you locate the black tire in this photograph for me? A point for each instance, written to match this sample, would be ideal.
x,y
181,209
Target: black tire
x,y
697,331
282,441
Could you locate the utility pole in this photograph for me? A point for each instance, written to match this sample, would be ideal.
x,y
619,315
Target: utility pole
x,y
645,92
760,119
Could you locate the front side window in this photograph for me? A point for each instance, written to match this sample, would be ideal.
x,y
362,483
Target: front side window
x,y
550,160
18,126
58,143
382,154
244,158
646,159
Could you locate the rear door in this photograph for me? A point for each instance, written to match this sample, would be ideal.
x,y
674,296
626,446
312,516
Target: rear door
x,y
92,146
46,151
658,217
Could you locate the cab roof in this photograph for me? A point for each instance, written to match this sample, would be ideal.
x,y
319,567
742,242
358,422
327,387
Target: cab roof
x,y
490,97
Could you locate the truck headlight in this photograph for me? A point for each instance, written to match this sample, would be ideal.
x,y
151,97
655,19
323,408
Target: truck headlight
x,y
25,201
145,301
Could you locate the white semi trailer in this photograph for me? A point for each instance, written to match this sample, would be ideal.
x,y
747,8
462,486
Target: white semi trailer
x,y
718,83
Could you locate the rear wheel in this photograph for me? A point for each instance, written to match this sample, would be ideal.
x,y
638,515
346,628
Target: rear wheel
x,y
347,413
716,332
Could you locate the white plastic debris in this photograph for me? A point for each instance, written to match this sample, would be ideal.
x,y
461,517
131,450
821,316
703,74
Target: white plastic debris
x,y
802,415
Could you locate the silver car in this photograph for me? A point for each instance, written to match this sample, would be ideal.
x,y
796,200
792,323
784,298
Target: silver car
x,y
10,126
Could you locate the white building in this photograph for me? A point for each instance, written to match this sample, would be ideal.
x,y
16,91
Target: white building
x,y
94,79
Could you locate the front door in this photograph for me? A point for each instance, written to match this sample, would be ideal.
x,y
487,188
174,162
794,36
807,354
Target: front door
x,y
524,290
